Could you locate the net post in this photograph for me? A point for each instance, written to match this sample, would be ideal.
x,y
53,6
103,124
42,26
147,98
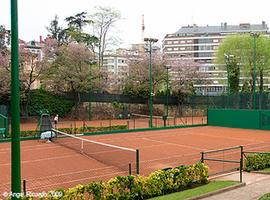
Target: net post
x,y
129,169
24,187
164,122
137,162
241,164
110,121
71,128
134,124
202,157
191,116
128,124
81,146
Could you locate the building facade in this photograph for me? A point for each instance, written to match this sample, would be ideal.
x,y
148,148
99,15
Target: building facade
x,y
199,43
117,69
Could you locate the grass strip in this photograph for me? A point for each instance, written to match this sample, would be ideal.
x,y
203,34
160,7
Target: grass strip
x,y
266,170
210,187
265,197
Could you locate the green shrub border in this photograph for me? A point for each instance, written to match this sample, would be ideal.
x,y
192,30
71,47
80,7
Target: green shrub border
x,y
255,162
265,197
158,183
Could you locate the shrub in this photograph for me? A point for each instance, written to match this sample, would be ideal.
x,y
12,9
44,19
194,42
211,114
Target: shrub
x,y
265,197
139,187
44,100
257,162
32,133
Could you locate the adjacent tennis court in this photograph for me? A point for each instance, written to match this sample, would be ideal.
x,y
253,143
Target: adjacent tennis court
x,y
69,161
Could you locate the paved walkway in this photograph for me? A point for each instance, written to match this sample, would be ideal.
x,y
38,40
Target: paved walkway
x,y
256,186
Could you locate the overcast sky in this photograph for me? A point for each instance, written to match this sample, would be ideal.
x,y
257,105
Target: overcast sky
x,y
161,16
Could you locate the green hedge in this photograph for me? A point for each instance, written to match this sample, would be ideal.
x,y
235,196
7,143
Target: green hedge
x,y
257,162
265,197
44,100
139,187
87,129
30,133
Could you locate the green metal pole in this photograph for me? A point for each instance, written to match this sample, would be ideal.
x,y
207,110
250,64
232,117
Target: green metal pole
x,y
254,72
150,80
15,105
228,85
167,93
89,97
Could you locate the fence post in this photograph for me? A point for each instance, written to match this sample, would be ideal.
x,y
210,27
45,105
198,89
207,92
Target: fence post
x,y
129,169
241,164
24,187
110,124
202,157
191,116
137,162
128,124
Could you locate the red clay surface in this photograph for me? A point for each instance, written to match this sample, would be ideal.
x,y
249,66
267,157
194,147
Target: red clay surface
x,y
131,123
47,166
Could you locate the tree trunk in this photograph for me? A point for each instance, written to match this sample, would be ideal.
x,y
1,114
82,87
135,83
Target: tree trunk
x,y
261,81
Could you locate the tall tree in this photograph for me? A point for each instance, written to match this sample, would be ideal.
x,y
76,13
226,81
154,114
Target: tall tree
x,y
74,31
137,82
104,19
73,70
55,30
78,21
241,47
184,75
4,61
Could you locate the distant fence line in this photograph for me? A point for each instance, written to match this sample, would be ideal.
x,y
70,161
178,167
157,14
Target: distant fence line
x,y
237,101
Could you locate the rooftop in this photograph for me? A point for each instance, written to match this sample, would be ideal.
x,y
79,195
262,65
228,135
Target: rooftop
x,y
223,28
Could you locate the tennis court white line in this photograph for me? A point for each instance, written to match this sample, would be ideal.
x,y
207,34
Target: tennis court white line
x,y
179,145
41,160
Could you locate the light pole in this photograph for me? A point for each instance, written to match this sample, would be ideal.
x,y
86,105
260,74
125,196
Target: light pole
x,y
165,117
228,60
150,42
15,105
255,36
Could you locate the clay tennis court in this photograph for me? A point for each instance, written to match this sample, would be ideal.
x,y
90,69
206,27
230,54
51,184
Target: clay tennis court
x,y
130,123
47,166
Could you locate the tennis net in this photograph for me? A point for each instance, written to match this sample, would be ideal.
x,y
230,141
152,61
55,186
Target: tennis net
x,y
125,159
158,121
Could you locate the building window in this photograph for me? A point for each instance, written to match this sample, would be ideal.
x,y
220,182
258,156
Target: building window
x,y
169,42
205,54
200,41
169,49
182,48
189,41
182,41
121,61
215,40
175,48
175,42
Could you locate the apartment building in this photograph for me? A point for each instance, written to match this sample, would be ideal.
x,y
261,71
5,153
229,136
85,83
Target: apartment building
x,y
35,49
199,44
117,69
